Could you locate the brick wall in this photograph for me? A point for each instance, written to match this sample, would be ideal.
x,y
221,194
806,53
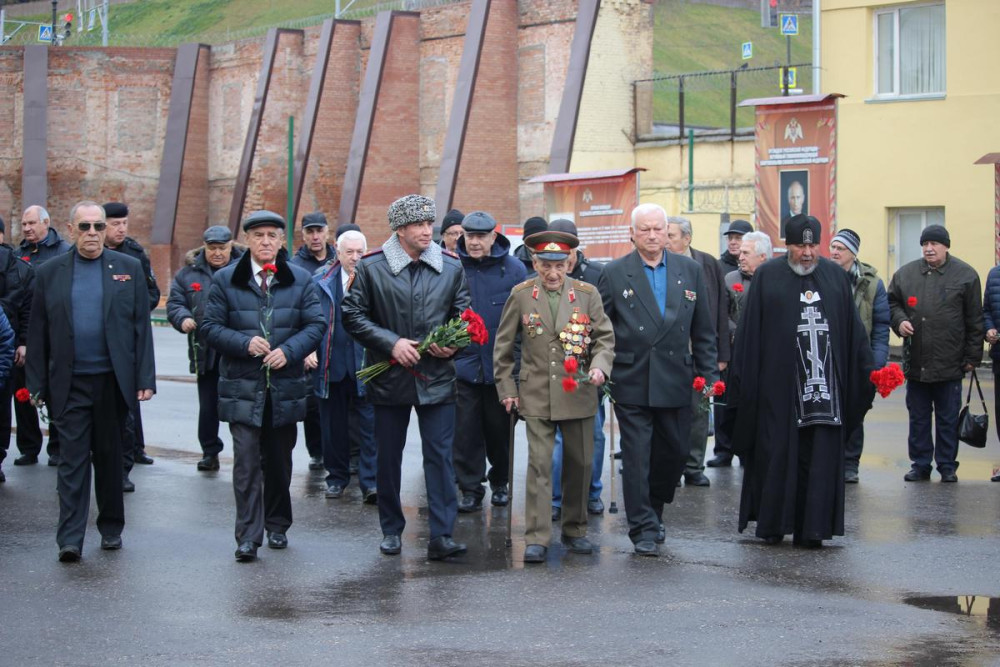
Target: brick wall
x,y
108,108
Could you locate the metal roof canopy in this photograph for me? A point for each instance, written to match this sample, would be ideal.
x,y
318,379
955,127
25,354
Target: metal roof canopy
x,y
585,175
782,100
989,158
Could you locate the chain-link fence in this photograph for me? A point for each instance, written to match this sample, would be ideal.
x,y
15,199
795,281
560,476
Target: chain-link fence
x,y
706,102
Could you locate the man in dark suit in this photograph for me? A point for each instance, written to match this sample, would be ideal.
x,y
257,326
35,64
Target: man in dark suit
x,y
658,305
88,369
680,234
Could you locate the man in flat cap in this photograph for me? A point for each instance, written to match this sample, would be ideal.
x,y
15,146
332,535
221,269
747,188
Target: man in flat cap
x,y
873,307
936,306
90,360
314,253
797,386
185,311
263,318
402,292
118,239
559,321
481,426
39,244
658,305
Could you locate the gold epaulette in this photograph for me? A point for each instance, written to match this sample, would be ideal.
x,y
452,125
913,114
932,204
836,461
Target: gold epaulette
x,y
522,286
581,286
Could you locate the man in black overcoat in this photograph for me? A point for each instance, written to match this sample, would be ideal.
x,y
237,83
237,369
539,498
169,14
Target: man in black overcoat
x,y
91,358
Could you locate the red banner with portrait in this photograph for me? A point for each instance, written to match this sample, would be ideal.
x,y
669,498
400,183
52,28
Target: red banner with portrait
x,y
796,168
600,204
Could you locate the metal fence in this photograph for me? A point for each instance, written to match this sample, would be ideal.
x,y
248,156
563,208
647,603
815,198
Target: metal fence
x,y
706,102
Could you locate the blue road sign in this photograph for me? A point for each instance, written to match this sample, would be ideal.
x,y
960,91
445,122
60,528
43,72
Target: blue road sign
x,y
44,33
789,24
747,50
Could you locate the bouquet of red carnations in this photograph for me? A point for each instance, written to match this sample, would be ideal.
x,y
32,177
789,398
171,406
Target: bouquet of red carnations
x,y
708,391
886,379
575,377
458,332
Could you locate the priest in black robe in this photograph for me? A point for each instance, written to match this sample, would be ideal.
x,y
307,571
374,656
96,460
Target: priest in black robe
x,y
796,388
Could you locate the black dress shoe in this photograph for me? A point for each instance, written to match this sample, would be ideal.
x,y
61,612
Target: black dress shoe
x,y
917,475
500,496
277,541
390,545
315,463
143,458
53,461
595,506
334,490
111,542
995,478
646,548
535,553
661,534
556,513
851,477
3,477
370,497
720,461
773,539
209,463
470,503
26,460
800,541
246,552
696,479
127,485
578,545
949,477
442,547
69,554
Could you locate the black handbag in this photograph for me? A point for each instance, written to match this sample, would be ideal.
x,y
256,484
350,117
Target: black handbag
x,y
973,429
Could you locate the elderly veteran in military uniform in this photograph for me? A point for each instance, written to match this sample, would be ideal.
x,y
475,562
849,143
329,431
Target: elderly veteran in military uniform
x,y
557,319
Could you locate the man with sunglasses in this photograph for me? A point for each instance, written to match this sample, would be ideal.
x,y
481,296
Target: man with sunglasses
x,y
91,358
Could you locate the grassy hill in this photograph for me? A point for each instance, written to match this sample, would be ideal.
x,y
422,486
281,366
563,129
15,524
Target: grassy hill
x,y
692,37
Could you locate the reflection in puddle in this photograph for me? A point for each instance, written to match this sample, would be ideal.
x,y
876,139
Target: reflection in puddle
x,y
983,609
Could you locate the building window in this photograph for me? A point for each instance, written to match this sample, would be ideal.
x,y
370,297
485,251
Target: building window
x,y
905,226
910,51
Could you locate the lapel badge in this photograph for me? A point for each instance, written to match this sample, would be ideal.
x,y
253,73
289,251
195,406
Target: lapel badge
x,y
572,295
690,296
121,277
628,293
534,292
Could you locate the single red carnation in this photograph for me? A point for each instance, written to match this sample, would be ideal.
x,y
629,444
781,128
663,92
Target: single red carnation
x,y
195,287
569,384
912,302
699,383
27,258
719,388
22,395
269,268
571,365
738,287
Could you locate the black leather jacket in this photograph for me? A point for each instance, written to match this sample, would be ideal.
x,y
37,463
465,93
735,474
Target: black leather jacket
x,y
392,298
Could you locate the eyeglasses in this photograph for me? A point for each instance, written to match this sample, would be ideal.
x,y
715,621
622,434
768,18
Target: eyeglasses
x,y
85,226
453,233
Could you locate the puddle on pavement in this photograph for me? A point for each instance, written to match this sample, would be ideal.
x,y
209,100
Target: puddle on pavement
x,y
985,610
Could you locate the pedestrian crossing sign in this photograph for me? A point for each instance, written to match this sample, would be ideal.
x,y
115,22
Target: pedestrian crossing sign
x,y
789,24
44,33
792,77
747,50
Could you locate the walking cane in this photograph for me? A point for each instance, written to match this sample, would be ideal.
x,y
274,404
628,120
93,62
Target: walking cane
x,y
510,474
613,507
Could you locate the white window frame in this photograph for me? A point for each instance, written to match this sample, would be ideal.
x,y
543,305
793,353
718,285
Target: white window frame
x,y
894,213
895,94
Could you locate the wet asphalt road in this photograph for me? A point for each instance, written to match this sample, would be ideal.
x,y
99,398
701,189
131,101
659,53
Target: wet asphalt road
x,y
175,596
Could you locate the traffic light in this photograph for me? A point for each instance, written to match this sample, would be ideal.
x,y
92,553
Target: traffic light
x,y
769,13
67,26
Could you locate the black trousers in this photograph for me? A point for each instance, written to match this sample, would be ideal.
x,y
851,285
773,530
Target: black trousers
x,y
6,391
208,412
91,428
313,430
723,447
262,473
655,444
29,433
437,431
481,431
133,441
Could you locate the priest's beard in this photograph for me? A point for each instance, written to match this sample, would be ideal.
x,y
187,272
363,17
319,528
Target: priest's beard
x,y
799,269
